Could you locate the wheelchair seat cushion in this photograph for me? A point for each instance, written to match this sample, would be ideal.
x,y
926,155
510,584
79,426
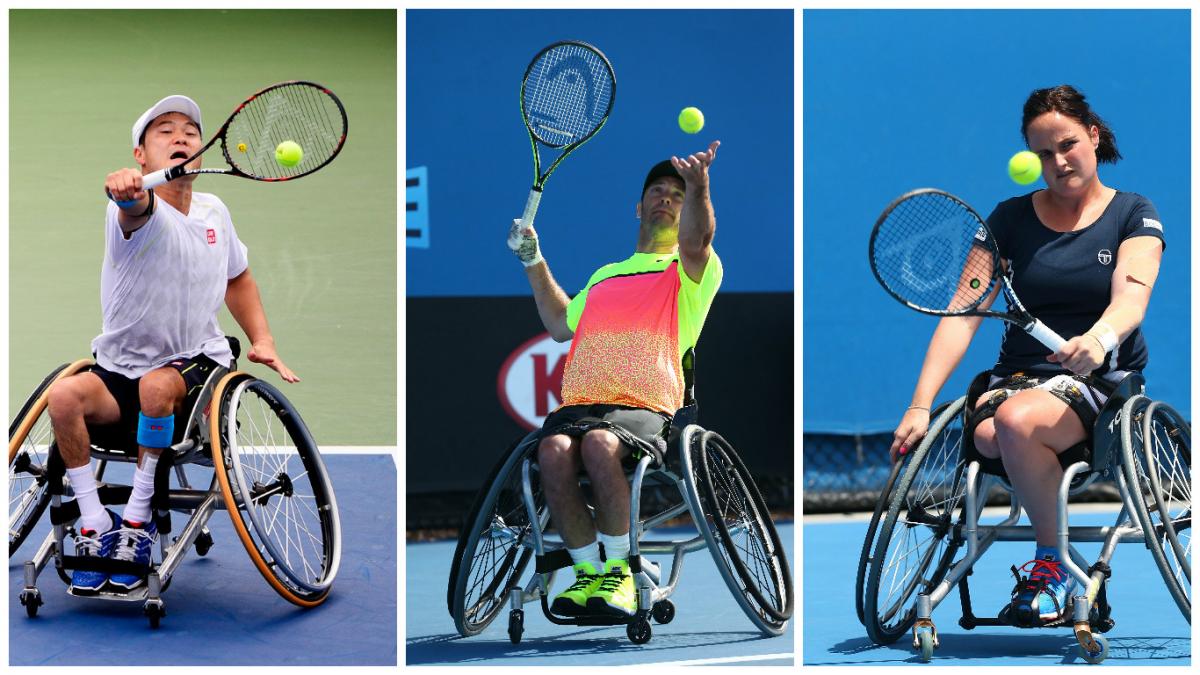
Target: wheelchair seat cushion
x,y
643,431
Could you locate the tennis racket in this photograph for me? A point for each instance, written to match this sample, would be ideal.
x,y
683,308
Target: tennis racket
x,y
566,96
932,252
305,113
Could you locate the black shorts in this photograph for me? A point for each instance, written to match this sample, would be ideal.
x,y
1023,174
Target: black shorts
x,y
643,431
123,434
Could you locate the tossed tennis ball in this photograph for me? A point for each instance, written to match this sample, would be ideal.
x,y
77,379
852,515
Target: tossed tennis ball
x,y
241,147
288,153
1024,167
691,120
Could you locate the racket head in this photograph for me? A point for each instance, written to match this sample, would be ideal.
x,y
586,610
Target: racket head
x,y
931,251
567,93
303,112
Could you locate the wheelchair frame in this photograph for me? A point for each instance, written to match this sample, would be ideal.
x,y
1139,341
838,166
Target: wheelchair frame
x,y
1130,410
232,488
516,477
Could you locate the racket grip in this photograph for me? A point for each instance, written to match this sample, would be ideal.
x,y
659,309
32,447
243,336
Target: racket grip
x,y
1042,333
154,179
531,207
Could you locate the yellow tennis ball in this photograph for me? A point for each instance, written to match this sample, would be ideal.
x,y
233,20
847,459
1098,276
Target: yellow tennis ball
x,y
1024,167
691,120
241,147
288,153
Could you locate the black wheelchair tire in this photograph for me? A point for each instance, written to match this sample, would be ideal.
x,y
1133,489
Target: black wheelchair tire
x,y
503,484
37,497
1138,416
896,619
309,585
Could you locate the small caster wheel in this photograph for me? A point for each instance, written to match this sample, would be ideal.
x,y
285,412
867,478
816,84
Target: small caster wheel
x,y
664,611
204,544
1098,655
516,625
638,631
155,614
925,644
31,600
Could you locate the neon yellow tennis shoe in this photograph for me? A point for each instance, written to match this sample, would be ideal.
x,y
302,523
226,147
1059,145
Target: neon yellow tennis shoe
x,y
574,600
616,594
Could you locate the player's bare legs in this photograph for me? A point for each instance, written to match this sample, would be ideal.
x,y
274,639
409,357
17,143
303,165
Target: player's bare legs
x,y
73,403
602,453
160,393
560,464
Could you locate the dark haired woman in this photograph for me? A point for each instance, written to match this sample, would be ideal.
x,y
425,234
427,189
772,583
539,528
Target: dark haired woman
x,y
1083,258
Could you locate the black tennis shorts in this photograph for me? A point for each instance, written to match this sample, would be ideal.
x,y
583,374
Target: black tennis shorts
x,y
643,431
123,434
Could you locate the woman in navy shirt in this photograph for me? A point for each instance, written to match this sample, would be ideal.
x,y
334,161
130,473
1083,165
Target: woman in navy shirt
x,y
1083,258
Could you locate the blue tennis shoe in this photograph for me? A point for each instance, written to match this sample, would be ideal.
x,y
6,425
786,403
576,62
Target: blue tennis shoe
x,y
93,544
134,543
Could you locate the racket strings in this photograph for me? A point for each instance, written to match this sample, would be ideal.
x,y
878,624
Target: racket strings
x,y
934,253
567,94
302,113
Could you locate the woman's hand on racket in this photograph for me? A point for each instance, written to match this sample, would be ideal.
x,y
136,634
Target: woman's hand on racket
x,y
694,168
912,429
263,352
125,186
1081,355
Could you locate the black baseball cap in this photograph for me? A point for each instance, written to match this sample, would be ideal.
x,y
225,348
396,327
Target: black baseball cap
x,y
663,168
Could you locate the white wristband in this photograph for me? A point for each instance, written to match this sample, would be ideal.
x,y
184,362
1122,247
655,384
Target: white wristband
x,y
1106,335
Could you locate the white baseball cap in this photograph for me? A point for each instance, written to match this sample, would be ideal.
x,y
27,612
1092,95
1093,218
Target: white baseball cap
x,y
174,103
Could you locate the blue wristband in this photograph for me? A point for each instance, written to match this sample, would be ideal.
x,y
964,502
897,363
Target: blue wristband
x,y
155,432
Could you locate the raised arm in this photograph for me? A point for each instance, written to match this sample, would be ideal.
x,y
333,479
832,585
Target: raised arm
x,y
549,297
697,222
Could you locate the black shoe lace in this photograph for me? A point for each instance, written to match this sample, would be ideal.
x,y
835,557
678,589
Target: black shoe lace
x,y
612,580
582,581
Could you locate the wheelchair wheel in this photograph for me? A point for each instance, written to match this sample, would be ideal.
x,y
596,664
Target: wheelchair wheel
x,y
881,506
29,438
1156,442
276,488
734,521
494,546
915,544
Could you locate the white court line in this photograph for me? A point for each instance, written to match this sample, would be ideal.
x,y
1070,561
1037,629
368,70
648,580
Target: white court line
x,y
863,516
725,659
325,449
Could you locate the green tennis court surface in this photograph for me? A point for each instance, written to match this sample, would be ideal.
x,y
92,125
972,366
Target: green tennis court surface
x,y
323,249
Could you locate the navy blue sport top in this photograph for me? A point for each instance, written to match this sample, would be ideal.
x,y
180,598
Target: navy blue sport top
x,y
1065,278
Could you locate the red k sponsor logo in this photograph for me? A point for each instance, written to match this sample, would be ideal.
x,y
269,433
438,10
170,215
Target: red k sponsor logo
x,y
212,236
530,382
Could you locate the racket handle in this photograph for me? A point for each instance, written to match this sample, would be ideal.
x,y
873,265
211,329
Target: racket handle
x,y
1042,333
531,207
154,179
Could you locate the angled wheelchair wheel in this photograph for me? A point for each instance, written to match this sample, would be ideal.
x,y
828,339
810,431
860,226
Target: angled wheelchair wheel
x,y
495,543
1156,442
733,519
29,439
881,507
915,543
276,488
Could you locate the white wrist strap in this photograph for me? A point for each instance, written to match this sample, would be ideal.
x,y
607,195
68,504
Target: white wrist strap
x,y
1106,335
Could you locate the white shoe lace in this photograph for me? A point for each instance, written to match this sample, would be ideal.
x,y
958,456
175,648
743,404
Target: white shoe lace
x,y
128,543
87,545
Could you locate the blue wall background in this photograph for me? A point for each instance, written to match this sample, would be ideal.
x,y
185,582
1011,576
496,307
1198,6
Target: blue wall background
x,y
463,80
895,100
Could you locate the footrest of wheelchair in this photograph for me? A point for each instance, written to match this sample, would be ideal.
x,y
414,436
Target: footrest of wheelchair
x,y
592,620
94,564
1004,618
136,595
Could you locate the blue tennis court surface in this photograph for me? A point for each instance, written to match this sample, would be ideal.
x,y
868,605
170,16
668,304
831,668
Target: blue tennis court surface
x,y
220,611
1150,630
709,626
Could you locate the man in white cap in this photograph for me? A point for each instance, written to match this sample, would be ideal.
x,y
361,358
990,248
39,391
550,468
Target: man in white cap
x,y
171,258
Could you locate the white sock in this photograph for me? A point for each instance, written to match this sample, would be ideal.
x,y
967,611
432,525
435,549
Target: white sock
x,y
138,508
589,553
92,515
616,546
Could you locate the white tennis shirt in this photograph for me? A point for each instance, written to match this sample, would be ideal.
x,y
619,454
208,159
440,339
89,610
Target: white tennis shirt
x,y
161,289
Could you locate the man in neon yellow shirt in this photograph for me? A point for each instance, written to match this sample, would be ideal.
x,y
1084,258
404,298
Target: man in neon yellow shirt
x,y
623,379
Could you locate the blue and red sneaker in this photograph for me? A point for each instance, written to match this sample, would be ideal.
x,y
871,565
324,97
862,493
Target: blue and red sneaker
x,y
93,544
134,543
1043,595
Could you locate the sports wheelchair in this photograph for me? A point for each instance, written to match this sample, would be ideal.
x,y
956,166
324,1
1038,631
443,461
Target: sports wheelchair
x,y
507,526
931,507
268,474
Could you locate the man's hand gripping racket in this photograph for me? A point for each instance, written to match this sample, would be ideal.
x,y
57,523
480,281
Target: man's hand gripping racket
x,y
304,113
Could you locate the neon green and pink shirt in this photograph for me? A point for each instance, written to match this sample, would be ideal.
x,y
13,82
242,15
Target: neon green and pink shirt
x,y
633,322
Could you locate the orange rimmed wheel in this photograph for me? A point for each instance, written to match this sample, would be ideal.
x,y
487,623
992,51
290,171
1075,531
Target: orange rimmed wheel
x,y
29,439
276,488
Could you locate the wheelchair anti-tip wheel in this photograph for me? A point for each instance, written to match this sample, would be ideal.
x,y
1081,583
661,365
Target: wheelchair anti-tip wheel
x,y
1156,442
494,545
29,439
276,489
914,546
733,519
